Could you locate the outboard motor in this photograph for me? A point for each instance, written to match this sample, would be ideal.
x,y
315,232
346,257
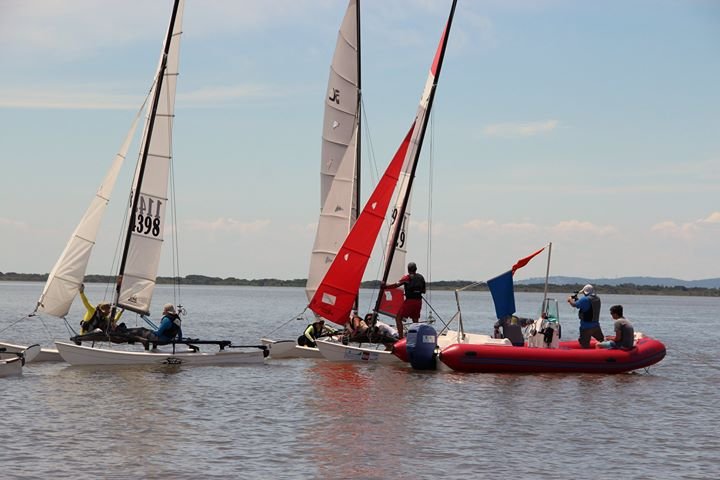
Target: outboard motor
x,y
421,345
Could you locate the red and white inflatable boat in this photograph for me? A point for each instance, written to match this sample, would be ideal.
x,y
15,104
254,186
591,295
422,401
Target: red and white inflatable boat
x,y
568,358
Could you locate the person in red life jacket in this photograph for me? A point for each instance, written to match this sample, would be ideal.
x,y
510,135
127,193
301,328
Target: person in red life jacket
x,y
414,284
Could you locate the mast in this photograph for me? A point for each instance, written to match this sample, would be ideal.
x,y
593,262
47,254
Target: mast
x,y
146,150
400,218
358,137
547,278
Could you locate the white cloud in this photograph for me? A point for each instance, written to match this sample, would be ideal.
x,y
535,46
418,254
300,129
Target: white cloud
x,y
712,218
576,226
228,225
515,130
13,224
687,230
93,97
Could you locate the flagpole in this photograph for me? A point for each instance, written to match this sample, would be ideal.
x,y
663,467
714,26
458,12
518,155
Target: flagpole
x,y
547,277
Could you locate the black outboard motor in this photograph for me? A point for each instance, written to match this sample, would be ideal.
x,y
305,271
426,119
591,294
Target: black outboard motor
x,y
421,344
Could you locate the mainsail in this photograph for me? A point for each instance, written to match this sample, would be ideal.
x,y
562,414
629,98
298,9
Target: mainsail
x,y
340,157
69,271
141,256
336,294
390,300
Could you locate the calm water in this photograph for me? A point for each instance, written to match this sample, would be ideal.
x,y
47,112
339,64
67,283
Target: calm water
x,y
315,419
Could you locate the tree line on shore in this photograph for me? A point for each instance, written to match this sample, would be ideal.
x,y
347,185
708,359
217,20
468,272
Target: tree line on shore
x,y
625,289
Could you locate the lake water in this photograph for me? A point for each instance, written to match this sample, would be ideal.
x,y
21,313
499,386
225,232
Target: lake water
x,y
316,419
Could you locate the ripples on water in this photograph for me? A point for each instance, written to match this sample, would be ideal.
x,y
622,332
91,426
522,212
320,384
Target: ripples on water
x,y
314,419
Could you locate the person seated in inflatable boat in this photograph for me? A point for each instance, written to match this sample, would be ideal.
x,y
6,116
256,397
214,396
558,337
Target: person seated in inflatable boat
x,y
624,337
511,327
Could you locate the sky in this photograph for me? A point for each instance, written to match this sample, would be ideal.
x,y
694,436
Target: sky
x,y
591,125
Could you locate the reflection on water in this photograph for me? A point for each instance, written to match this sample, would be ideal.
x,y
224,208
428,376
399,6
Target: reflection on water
x,y
314,419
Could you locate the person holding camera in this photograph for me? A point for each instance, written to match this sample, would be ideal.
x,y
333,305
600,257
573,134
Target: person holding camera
x,y
589,314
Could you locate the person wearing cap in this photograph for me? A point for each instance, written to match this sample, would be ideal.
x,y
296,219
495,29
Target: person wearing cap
x,y
414,284
170,326
96,316
589,314
624,331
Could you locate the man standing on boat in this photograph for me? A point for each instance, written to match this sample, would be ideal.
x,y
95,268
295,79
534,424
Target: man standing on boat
x,y
589,314
414,284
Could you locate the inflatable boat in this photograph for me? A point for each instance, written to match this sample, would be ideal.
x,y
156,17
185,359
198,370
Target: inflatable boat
x,y
569,357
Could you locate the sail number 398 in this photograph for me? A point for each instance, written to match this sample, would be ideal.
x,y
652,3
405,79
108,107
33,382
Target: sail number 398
x,y
148,217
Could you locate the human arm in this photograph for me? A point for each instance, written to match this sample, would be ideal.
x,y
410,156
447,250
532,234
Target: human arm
x,y
400,282
308,333
88,306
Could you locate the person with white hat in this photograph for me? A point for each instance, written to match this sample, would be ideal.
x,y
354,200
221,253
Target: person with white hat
x,y
589,314
170,326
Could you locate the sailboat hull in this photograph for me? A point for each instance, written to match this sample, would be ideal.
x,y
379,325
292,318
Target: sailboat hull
x,y
44,354
10,366
289,349
81,355
337,352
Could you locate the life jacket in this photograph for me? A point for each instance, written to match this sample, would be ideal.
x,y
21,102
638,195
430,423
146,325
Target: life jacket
x,y
98,320
593,314
174,329
415,287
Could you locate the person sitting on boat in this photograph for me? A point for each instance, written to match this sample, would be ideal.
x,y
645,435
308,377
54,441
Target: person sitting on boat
x,y
512,329
170,326
312,333
414,285
356,329
381,332
96,316
624,331
589,314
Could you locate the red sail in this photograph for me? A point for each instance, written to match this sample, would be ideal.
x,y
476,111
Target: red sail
x,y
334,298
392,300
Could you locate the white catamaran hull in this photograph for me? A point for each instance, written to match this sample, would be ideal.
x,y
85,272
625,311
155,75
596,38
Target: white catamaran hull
x,y
337,352
12,364
289,349
44,354
81,355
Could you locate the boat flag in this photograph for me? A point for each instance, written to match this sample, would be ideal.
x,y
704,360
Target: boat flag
x,y
524,261
501,288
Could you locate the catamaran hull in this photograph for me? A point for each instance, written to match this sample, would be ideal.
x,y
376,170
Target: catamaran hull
x,y
289,349
81,355
11,363
44,354
569,358
337,352
10,366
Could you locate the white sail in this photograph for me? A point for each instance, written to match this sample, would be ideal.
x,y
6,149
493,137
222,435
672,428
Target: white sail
x,y
398,267
69,271
338,170
341,101
335,222
146,239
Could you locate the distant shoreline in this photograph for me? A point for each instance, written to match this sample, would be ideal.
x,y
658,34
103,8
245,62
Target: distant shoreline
x,y
624,289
